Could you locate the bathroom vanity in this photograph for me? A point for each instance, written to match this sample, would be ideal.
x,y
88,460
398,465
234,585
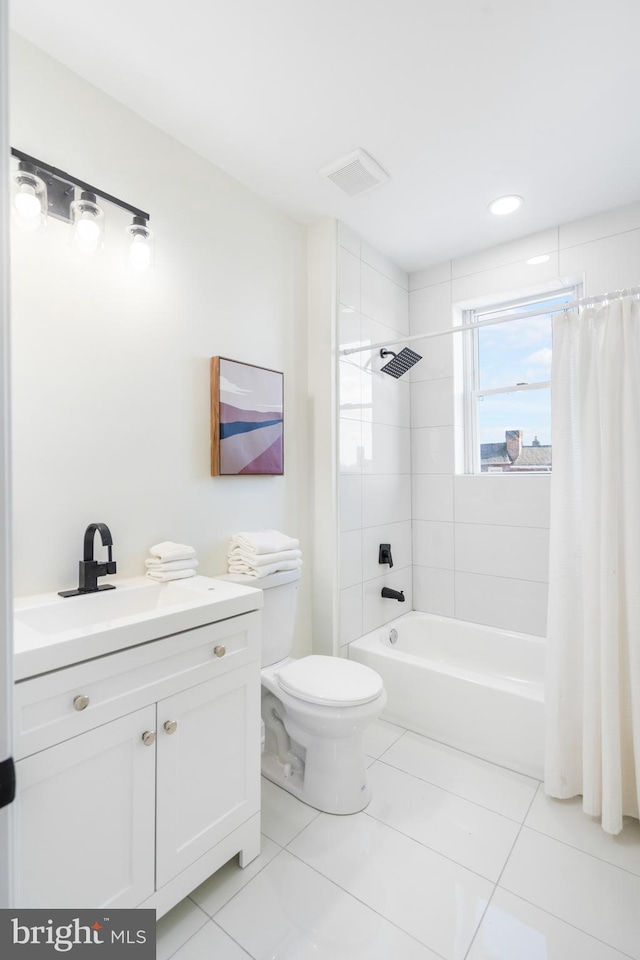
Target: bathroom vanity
x,y
137,741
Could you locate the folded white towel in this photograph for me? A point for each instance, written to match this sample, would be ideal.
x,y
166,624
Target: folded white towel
x,y
154,563
167,550
260,559
264,541
236,566
164,575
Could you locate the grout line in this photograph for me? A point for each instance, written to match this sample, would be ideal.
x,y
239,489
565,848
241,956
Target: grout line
x,y
233,939
504,867
587,853
194,904
454,794
365,904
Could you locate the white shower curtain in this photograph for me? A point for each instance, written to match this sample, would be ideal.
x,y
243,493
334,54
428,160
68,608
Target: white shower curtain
x,y
593,646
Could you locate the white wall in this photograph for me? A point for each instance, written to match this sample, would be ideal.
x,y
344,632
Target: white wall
x,y
481,542
111,370
374,433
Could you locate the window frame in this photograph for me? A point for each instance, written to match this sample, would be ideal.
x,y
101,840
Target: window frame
x,y
471,367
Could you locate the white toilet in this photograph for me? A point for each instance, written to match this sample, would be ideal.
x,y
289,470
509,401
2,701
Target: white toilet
x,y
315,710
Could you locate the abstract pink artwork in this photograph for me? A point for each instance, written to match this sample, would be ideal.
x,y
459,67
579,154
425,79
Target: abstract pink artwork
x,y
247,407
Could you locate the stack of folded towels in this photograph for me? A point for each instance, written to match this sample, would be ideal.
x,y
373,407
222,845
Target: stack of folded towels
x,y
171,561
263,552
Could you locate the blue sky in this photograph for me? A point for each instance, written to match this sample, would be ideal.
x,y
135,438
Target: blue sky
x,y
509,354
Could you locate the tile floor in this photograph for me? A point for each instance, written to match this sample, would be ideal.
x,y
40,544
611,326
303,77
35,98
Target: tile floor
x,y
454,858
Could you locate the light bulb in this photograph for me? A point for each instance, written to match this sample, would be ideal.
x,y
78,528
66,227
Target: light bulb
x,y
29,193
87,218
27,203
140,254
141,245
87,229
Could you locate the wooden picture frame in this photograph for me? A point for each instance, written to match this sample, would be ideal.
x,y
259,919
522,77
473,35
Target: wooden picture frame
x,y
247,419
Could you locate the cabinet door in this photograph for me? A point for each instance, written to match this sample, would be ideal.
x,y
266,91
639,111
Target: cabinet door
x,y
208,770
86,824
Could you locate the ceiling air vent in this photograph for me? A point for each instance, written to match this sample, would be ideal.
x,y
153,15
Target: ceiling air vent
x,y
356,173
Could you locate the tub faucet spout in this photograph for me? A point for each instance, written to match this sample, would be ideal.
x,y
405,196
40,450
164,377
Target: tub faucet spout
x,y
392,594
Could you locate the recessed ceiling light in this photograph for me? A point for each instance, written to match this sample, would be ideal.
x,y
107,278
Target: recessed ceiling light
x,y
503,205
541,259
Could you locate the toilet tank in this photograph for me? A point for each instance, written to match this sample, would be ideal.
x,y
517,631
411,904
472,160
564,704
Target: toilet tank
x,y
278,611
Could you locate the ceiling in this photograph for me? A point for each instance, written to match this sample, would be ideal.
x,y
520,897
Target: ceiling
x,y
460,101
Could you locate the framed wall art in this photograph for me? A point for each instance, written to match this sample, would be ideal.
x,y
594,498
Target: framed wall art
x,y
247,419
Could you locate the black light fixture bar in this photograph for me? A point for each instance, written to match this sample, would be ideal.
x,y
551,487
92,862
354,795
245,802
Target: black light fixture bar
x,y
63,180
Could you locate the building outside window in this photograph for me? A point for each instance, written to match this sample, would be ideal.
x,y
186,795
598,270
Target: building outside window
x,y
507,374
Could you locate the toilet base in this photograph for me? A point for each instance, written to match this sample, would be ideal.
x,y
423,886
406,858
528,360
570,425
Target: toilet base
x,y
339,786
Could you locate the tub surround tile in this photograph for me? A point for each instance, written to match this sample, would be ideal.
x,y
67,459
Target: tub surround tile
x,y
517,279
432,450
177,926
221,886
594,896
211,941
496,788
380,736
515,251
607,264
513,929
426,278
385,499
520,553
387,400
349,333
351,377
349,279
606,224
565,820
348,239
351,450
383,300
521,501
296,914
432,403
470,834
350,558
430,309
510,604
435,900
350,502
283,815
390,449
433,590
432,497
433,544
384,266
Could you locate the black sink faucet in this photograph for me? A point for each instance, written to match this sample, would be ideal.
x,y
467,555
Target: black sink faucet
x,y
90,569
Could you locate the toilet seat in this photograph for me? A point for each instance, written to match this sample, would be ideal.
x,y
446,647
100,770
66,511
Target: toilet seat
x,y
330,681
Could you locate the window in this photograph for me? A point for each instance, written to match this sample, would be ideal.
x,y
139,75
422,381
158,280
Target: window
x,y
507,386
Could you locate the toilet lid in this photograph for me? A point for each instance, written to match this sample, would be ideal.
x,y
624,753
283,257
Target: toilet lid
x,y
331,681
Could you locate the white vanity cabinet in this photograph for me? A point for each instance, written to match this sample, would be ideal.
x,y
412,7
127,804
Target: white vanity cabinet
x,y
138,772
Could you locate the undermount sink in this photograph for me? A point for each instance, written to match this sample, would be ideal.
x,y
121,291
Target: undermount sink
x,y
52,631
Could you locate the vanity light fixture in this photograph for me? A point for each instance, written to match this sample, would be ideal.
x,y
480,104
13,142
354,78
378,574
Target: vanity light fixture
x,y
502,205
40,190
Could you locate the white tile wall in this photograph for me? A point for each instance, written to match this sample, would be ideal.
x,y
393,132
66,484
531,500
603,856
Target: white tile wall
x,y
375,441
494,567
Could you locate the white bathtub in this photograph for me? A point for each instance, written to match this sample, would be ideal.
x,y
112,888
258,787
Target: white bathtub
x,y
473,687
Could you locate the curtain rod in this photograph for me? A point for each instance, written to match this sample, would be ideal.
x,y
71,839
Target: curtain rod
x,y
570,305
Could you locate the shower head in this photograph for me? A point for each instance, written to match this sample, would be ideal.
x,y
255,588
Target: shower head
x,y
401,362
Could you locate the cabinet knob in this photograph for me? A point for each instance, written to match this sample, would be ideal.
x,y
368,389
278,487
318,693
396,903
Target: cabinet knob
x,y
148,738
80,702
171,726
219,650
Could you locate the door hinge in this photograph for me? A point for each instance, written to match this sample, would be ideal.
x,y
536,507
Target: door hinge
x,y
7,782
